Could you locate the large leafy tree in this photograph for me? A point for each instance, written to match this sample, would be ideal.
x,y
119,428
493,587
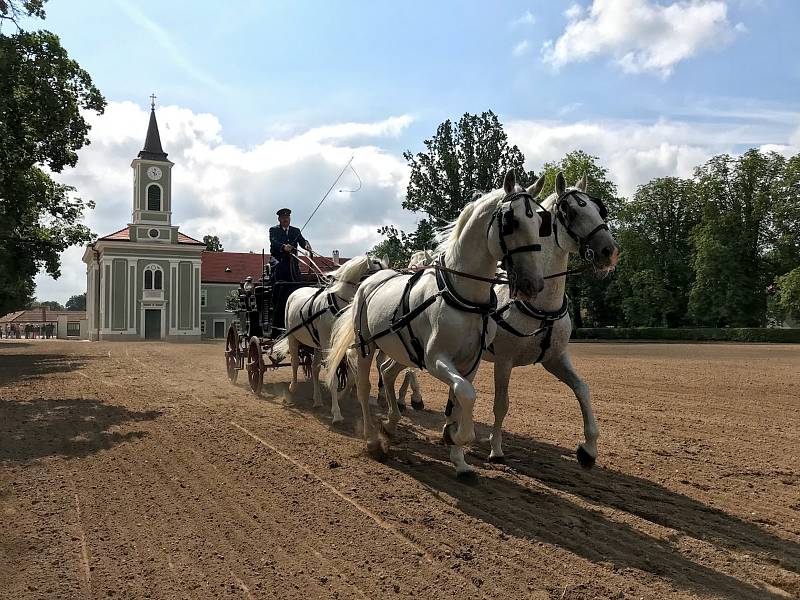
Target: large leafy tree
x,y
589,295
462,158
655,274
42,95
737,196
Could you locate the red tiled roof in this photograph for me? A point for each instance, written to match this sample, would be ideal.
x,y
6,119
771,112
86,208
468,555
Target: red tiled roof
x,y
35,316
243,264
123,235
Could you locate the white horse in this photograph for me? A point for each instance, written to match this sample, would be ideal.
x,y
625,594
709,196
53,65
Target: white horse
x,y
440,321
420,258
310,314
539,331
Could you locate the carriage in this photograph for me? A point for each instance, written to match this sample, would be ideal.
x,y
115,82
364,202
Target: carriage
x,y
255,332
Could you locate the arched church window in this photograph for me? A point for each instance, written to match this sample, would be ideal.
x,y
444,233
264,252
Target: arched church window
x,y
153,197
153,278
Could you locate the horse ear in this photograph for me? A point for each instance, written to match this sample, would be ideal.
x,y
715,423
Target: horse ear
x,y
581,185
510,182
385,261
561,184
536,187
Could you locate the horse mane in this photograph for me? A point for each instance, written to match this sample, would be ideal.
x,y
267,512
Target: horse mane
x,y
550,202
351,271
449,234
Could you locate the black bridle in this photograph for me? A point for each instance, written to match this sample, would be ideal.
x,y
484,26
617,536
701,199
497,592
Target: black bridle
x,y
584,251
508,224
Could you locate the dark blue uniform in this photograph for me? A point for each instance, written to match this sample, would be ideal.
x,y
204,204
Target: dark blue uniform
x,y
287,268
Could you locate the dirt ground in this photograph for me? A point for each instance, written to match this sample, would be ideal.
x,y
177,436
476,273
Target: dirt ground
x,y
140,471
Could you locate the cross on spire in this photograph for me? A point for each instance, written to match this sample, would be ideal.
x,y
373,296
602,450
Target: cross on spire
x,y
152,101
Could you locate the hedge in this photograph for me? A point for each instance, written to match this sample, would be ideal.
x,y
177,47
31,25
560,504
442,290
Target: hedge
x,y
709,334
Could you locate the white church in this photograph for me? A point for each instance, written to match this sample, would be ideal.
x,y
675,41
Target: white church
x,y
143,281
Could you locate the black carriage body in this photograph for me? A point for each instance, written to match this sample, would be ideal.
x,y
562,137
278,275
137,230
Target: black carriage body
x,y
258,303
255,331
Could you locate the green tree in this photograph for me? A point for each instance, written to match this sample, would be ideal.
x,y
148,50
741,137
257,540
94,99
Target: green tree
x,y
731,270
48,304
788,297
212,243
460,160
654,274
77,302
589,295
43,98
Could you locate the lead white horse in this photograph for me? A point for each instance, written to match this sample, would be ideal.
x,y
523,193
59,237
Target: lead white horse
x,y
539,331
310,314
440,321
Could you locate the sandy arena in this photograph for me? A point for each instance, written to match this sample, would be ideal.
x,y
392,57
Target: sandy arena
x,y
139,471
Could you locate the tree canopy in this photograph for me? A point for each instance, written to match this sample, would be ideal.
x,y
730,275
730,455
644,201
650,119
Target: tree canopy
x,y
461,159
705,250
77,302
212,243
44,96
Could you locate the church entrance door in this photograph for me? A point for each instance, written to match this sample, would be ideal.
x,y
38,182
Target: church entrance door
x,y
152,324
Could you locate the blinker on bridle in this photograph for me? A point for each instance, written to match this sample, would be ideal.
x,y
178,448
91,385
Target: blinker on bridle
x,y
586,253
509,223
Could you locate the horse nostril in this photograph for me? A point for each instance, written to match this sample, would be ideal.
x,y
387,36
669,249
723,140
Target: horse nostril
x,y
606,251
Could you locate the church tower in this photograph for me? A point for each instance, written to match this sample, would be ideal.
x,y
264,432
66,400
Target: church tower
x,y
152,189
143,281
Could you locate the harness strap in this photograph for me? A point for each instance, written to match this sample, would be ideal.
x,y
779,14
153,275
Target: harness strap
x,y
309,320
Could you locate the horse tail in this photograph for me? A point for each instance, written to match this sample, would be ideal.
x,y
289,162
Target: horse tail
x,y
342,337
281,349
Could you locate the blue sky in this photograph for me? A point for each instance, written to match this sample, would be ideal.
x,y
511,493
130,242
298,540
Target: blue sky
x,y
652,87
263,66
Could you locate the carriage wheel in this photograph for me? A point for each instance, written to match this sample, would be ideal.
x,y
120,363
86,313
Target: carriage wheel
x,y
231,352
255,365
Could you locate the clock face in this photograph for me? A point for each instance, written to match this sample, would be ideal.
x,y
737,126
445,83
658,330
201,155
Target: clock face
x,y
154,173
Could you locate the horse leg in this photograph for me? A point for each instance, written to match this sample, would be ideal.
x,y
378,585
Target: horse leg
x,y
410,379
380,358
294,353
502,375
316,365
462,403
561,367
390,370
376,445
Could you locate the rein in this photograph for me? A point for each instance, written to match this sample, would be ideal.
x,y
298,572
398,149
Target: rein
x,y
494,280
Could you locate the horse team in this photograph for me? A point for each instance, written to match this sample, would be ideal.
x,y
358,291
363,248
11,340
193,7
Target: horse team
x,y
455,308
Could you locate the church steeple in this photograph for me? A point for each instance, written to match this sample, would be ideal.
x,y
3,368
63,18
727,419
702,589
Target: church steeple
x,y
152,182
152,144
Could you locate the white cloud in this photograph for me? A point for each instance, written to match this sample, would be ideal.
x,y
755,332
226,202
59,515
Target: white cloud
x,y
635,152
641,35
521,49
233,192
574,12
526,19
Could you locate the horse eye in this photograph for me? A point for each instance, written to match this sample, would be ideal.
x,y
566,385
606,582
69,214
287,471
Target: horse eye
x,y
572,213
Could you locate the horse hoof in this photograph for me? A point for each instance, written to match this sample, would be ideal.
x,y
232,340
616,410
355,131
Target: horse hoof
x,y
498,460
401,407
584,458
446,437
378,449
466,474
337,422
292,388
417,404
